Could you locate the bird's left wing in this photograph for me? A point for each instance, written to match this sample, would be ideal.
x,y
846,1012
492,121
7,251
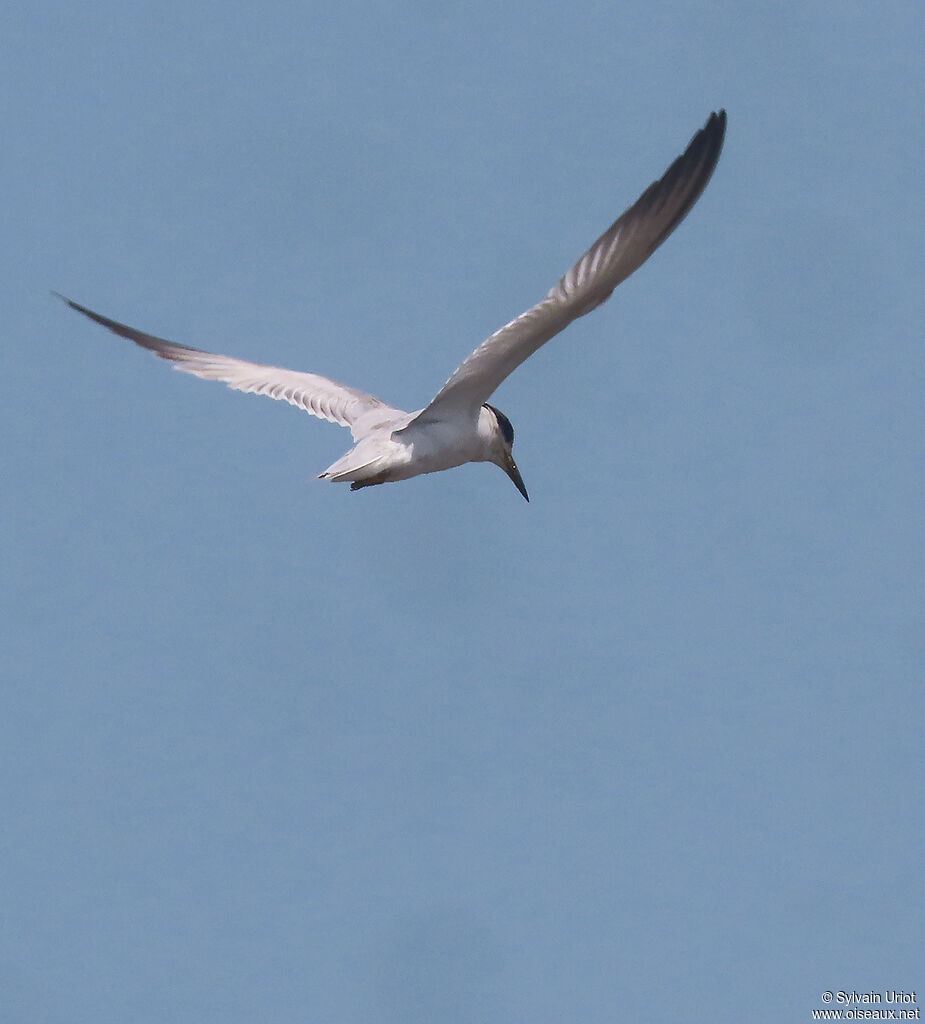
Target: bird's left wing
x,y
317,395
623,248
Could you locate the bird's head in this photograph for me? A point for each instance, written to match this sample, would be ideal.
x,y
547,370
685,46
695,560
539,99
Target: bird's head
x,y
502,443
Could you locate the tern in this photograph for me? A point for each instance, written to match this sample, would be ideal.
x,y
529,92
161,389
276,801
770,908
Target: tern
x,y
459,425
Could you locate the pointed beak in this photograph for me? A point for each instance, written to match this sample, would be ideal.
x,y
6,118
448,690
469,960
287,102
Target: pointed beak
x,y
510,467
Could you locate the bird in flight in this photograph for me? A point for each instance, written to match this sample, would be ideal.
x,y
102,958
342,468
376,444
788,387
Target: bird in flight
x,y
459,425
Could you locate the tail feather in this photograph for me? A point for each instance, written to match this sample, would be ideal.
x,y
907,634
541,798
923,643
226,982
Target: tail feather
x,y
347,468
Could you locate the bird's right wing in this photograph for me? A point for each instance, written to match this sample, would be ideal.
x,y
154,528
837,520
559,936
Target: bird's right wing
x,y
620,250
317,395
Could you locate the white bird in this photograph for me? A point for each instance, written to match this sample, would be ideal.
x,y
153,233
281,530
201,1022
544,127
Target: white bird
x,y
459,425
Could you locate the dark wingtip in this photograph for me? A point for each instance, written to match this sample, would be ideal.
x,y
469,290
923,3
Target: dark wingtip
x,y
78,307
716,129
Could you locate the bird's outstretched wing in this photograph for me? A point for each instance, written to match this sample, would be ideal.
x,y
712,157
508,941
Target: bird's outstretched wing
x,y
319,396
623,248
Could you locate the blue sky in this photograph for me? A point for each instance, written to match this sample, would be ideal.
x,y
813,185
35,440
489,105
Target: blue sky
x,y
648,748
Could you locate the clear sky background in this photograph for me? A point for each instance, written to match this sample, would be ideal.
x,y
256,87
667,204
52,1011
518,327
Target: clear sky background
x,y
649,748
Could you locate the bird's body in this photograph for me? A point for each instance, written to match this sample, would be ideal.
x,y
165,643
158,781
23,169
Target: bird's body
x,y
398,448
459,425
403,447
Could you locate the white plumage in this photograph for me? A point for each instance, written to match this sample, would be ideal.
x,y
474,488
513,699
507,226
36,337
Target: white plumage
x,y
459,425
